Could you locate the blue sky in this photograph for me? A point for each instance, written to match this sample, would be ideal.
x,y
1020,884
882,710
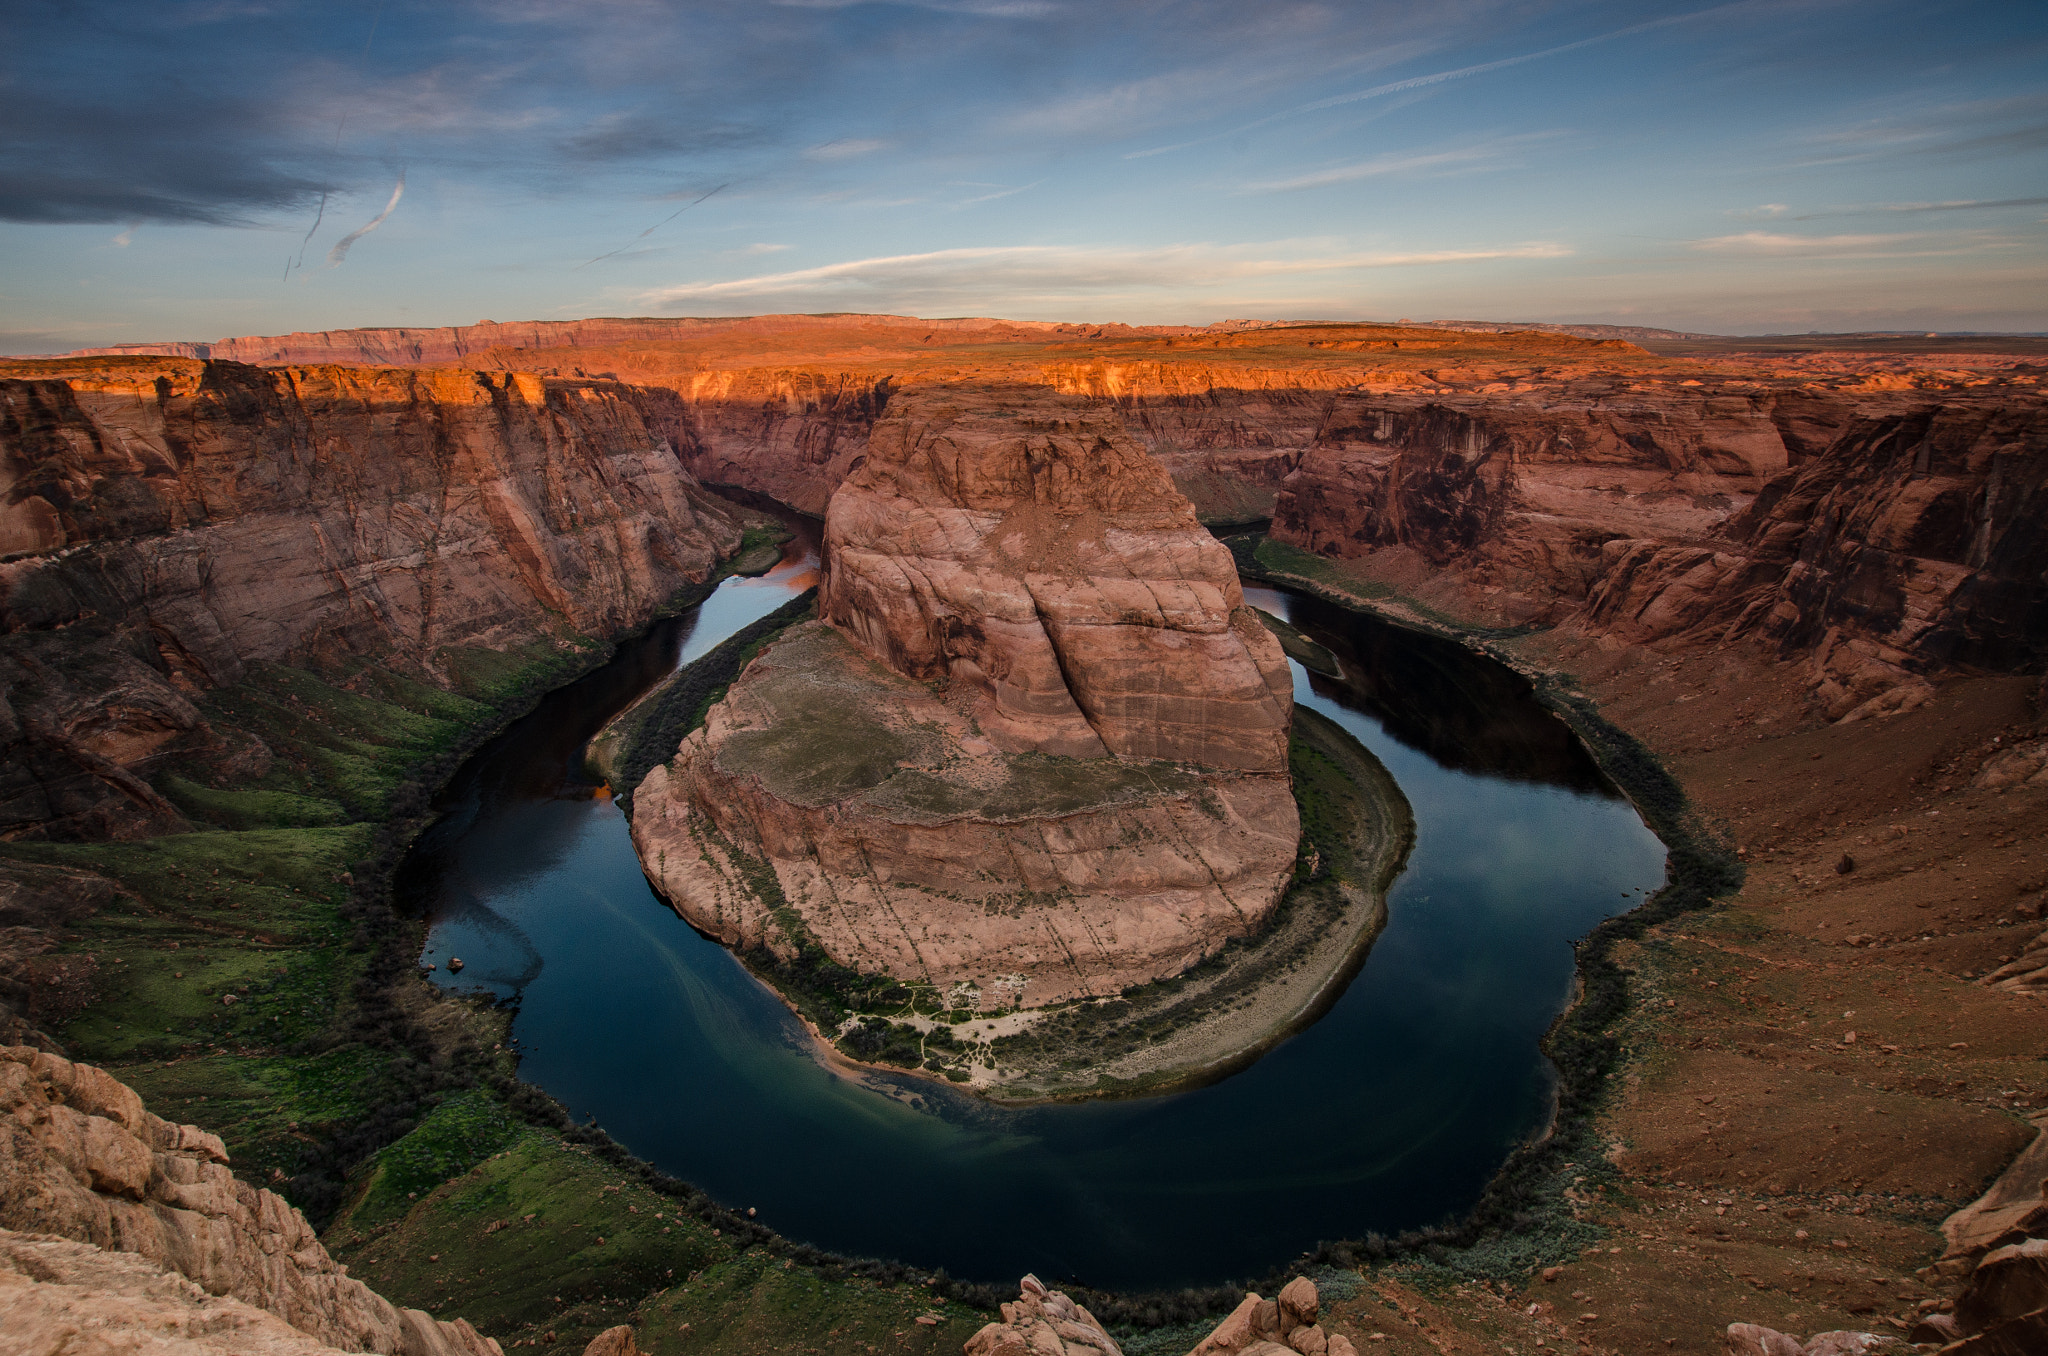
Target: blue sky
x,y
1767,165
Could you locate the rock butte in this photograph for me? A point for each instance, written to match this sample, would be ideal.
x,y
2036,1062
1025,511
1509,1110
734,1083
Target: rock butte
x,y
1037,748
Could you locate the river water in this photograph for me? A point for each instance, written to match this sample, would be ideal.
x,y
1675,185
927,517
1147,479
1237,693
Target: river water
x,y
1390,1112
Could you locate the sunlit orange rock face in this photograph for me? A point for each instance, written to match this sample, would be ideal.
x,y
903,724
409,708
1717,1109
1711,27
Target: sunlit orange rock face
x,y
1036,750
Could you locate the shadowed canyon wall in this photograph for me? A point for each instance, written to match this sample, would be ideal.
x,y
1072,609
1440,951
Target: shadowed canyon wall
x,y
1885,538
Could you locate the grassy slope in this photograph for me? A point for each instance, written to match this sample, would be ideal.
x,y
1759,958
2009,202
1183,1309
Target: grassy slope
x,y
360,1091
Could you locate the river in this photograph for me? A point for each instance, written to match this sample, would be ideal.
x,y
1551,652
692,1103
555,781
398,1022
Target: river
x,y
1391,1111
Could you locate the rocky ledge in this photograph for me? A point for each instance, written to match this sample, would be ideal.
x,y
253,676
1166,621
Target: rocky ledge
x,y
121,1232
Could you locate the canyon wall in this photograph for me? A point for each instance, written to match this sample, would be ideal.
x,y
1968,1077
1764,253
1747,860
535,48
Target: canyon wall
x,y
1037,748
1883,537
167,522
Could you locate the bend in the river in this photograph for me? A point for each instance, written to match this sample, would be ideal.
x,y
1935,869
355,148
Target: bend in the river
x,y
1390,1112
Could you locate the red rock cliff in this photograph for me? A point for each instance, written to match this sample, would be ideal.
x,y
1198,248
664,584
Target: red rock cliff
x,y
166,522
1032,552
1882,536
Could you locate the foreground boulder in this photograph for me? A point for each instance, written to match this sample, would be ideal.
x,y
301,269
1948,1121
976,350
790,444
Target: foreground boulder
x,y
1035,751
81,1160
1752,1339
1042,1322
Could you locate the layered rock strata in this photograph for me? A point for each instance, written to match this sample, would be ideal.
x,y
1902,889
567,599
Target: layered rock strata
x,y
1881,537
165,523
80,1159
1037,750
1040,560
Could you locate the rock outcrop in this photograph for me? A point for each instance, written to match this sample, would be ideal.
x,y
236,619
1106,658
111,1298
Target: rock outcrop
x,y
1752,1339
1039,752
1882,537
165,523
59,1298
1042,1322
80,1159
1041,559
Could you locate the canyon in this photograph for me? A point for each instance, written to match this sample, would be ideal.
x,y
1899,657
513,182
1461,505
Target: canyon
x,y
1809,582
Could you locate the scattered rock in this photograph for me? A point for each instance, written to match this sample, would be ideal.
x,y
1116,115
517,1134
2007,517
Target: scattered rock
x,y
1844,864
1749,1339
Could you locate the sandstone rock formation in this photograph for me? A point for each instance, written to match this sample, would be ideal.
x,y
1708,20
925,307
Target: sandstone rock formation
x,y
1038,557
80,1159
1050,763
907,844
1751,1339
59,1297
166,523
1882,537
1042,1322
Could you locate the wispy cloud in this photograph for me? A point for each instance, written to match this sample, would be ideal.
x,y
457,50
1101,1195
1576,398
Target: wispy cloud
x,y
1860,245
1463,159
998,194
1071,271
847,148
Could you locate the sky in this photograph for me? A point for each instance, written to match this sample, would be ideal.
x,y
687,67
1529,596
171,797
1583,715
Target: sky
x,y
194,169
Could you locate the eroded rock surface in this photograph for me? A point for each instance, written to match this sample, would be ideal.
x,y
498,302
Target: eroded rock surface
x,y
80,1159
1041,558
1883,537
908,844
60,1298
1042,1322
166,523
1040,750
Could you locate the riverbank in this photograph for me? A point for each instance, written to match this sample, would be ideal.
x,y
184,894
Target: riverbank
x,y
1226,1012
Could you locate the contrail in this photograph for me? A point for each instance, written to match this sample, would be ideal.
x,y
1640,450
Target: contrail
x,y
301,260
340,250
341,122
650,230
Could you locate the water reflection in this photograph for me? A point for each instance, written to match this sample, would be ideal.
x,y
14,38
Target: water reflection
x,y
1437,696
1391,1111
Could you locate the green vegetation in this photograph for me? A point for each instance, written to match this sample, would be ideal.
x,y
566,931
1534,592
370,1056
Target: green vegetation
x,y
648,733
1356,832
760,550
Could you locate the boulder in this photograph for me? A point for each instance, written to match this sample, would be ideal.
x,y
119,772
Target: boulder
x,y
1750,1339
613,1342
1042,1322
2008,1282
